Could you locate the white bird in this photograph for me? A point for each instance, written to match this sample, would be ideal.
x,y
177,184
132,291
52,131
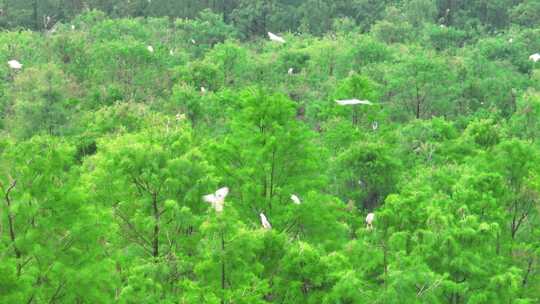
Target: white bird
x,y
369,220
171,52
14,64
290,71
275,38
150,49
375,125
534,57
264,222
217,199
203,90
295,199
347,102
72,27
511,40
193,41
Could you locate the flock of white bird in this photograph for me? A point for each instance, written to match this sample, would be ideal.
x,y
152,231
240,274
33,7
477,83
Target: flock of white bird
x,y
217,201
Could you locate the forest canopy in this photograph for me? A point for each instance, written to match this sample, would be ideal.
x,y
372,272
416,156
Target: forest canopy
x,y
270,151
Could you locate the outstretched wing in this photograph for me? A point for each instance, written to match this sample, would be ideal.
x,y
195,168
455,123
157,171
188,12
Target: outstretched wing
x,y
210,198
222,192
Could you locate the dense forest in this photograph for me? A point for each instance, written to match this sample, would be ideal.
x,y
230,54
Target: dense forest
x,y
365,151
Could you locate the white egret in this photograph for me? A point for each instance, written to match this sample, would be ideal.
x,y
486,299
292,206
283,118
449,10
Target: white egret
x,y
275,38
534,57
217,199
193,41
72,27
510,40
375,125
347,102
295,199
14,64
203,90
264,221
290,71
171,52
369,220
150,49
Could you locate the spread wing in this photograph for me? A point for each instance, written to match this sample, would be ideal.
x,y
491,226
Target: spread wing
x,y
295,199
347,102
222,192
276,38
210,198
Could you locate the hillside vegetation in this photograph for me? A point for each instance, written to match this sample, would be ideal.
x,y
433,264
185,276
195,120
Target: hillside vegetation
x,y
119,119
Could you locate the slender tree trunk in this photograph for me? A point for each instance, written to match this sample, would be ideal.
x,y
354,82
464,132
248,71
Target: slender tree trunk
x,y
11,224
155,243
35,14
529,269
222,267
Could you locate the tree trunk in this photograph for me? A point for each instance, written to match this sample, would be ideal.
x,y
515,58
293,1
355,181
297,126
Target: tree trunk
x,y
155,241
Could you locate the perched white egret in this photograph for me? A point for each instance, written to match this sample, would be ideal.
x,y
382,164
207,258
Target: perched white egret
x,y
347,102
203,90
369,220
264,221
14,64
217,199
193,41
150,49
510,40
375,125
290,71
534,57
295,199
275,38
171,52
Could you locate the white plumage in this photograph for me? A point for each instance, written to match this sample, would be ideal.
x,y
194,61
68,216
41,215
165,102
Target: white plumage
x,y
264,221
534,57
203,90
275,38
295,199
150,49
375,125
349,102
369,220
14,64
290,71
217,199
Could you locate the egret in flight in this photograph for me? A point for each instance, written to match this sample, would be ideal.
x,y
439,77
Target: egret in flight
x,y
264,221
275,38
350,102
217,199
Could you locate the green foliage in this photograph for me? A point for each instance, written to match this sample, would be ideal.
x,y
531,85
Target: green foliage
x,y
126,113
